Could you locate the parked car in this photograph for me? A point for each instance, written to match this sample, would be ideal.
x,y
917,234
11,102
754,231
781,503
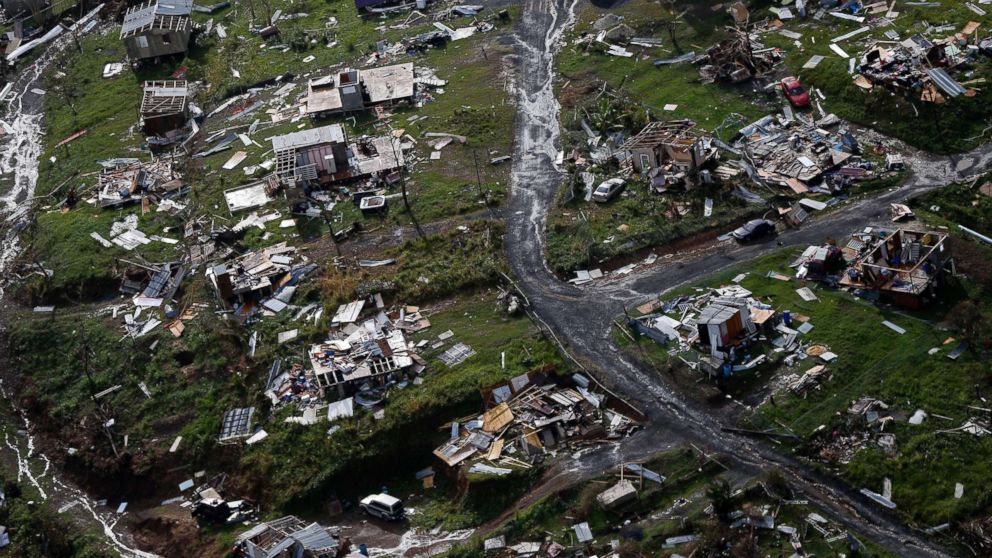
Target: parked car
x,y
795,92
608,190
382,506
753,230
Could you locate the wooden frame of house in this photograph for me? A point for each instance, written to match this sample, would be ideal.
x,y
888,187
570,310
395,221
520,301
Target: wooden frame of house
x,y
154,29
673,143
164,106
905,265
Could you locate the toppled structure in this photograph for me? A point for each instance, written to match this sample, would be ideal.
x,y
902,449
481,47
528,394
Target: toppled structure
x,y
801,155
164,110
323,155
208,506
362,357
918,66
290,537
124,181
722,323
156,29
904,266
670,153
262,279
150,285
527,418
737,59
358,90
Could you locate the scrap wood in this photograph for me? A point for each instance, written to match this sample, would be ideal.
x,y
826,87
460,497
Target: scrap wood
x,y
71,137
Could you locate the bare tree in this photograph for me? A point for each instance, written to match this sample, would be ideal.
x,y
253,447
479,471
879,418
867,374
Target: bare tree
x,y
671,20
39,10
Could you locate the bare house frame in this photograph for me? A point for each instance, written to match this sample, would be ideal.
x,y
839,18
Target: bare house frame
x,y
155,28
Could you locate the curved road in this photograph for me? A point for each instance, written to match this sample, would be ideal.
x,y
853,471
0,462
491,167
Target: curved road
x,y
582,317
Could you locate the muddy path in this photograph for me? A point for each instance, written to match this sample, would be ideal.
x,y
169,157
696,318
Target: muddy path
x,y
582,317
20,150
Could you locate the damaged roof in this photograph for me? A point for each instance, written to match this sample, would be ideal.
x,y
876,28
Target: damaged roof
x,y
333,133
165,97
169,14
388,83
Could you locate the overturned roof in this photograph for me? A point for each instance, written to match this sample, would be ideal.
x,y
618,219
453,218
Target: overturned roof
x,y
660,133
306,138
388,83
164,97
167,14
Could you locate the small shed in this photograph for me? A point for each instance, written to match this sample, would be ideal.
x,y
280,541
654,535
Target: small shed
x,y
311,154
164,106
155,28
617,495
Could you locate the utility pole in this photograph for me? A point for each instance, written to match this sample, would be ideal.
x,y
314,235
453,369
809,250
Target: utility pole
x,y
98,411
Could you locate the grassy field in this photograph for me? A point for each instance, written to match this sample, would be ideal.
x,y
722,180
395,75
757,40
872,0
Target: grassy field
x,y
586,70
475,103
586,235
875,361
676,507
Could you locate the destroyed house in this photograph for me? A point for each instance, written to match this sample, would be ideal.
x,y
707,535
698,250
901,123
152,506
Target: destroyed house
x,y
323,155
311,155
124,181
361,355
157,28
723,325
246,280
533,416
673,147
164,106
153,282
357,90
288,537
916,65
904,266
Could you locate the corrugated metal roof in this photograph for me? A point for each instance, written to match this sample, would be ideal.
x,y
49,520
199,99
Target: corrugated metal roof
x,y
945,82
138,18
174,7
306,138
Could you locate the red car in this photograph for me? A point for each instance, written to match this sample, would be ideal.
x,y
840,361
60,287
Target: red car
x,y
795,92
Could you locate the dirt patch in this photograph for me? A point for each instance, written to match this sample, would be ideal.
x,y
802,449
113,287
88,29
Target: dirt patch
x,y
171,533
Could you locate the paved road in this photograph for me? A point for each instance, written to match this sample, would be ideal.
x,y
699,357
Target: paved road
x,y
581,316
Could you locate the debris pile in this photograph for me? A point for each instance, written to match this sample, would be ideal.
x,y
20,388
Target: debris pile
x,y
919,66
261,280
795,152
124,181
528,418
363,358
737,59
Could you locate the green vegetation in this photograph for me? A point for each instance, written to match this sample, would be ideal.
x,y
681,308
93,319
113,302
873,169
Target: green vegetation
x,y
36,531
582,235
475,104
586,69
676,507
876,362
968,204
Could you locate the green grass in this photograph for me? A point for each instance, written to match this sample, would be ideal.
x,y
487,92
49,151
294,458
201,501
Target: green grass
x,y
585,70
295,467
641,527
875,362
585,235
